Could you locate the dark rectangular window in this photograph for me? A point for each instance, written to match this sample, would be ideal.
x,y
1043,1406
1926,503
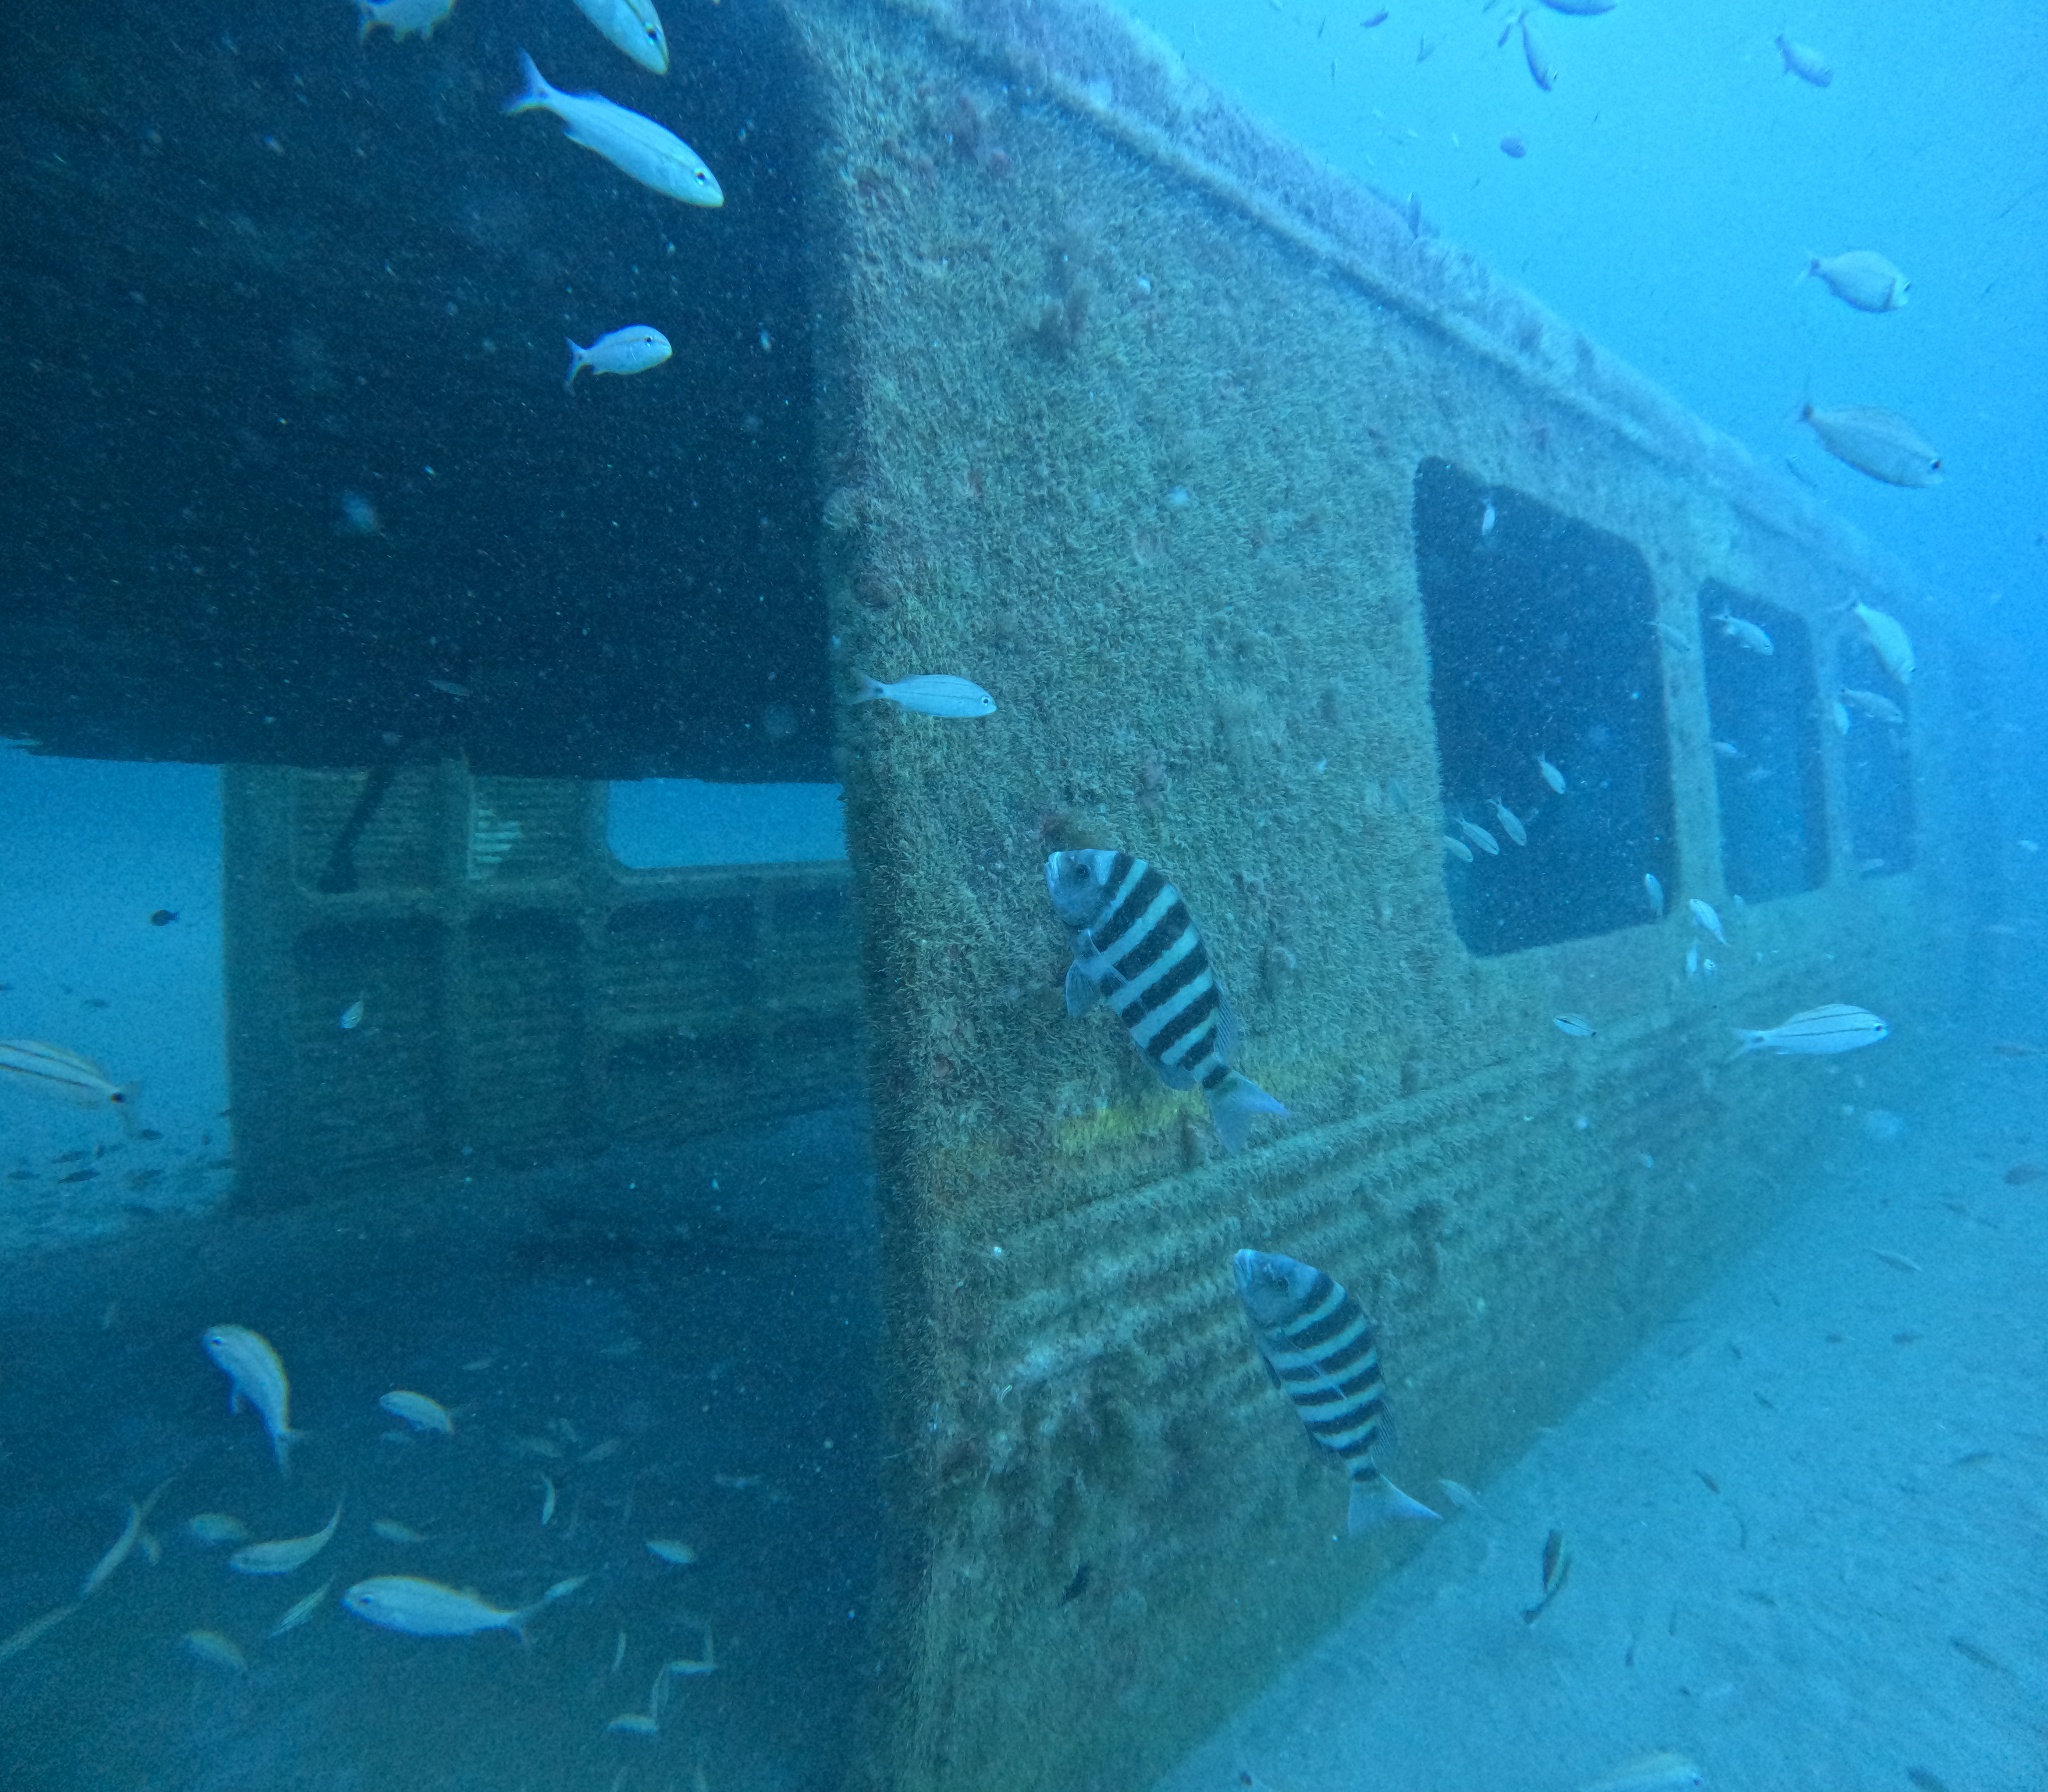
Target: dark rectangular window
x,y
1767,768
1542,647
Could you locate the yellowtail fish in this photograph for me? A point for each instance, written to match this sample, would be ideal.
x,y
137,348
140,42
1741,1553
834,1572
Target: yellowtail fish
x,y
1135,944
1664,1772
1743,633
404,1602
1707,919
1575,1026
1808,65
392,1531
1541,71
634,145
937,693
1479,837
1816,1032
1887,640
1318,1347
35,1629
212,1528
419,1410
1511,823
402,18
668,1550
1457,849
256,1373
1876,441
123,1546
1862,278
1873,703
631,349
1557,1570
1551,774
297,1613
216,1650
288,1554
633,27
63,1075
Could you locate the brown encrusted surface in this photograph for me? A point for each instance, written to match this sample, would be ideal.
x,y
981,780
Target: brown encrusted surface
x,y
1142,464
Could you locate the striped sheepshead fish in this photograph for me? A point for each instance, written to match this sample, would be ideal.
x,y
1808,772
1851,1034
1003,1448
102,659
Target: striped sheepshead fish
x,y
1319,1348
1134,942
64,1075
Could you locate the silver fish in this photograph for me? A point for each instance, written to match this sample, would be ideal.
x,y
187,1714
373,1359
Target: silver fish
x,y
34,1630
1862,278
1580,9
1575,1026
1655,890
634,145
1460,1496
633,27
287,1553
392,1531
1511,823
547,1501
668,1550
1808,65
1479,837
1705,918
1664,1772
1888,640
256,1373
123,1546
1551,774
635,1724
1880,443
212,1528
1673,638
937,693
1816,1032
632,349
1557,1570
1457,849
402,18
1540,69
1874,703
211,1646
1743,633
352,1016
1838,713
418,1608
1134,942
57,1072
1318,1347
297,1613
420,1411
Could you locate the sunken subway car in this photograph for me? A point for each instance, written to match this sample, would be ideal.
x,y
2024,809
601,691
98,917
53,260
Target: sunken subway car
x,y
1285,536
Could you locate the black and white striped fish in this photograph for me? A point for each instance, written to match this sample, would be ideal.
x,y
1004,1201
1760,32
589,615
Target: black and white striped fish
x,y
1135,944
1318,1345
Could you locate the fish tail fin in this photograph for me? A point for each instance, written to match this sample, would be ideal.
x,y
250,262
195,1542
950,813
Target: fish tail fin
x,y
1378,1502
1813,267
281,1447
870,689
578,361
536,92
1233,1105
122,1101
1753,1040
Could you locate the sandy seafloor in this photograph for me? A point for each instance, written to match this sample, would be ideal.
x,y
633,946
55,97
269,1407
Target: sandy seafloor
x,y
1808,1523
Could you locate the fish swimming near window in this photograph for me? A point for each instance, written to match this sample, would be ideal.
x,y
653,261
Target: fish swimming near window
x,y
1134,942
1319,1348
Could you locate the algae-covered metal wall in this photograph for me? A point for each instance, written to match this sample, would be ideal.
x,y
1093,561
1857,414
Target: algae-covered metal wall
x,y
1125,407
